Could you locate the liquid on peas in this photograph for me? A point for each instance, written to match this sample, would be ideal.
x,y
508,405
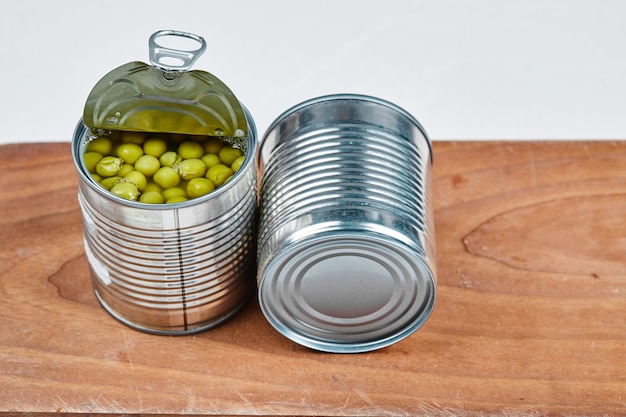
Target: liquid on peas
x,y
160,168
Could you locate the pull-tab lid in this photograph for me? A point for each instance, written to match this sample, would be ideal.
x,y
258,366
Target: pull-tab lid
x,y
165,96
171,59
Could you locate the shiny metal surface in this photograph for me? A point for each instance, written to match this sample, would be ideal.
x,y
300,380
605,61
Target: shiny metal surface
x,y
171,59
171,268
346,249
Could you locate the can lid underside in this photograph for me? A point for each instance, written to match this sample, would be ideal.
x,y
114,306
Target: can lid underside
x,y
347,293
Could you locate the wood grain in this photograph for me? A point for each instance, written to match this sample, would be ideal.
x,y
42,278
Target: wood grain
x,y
530,316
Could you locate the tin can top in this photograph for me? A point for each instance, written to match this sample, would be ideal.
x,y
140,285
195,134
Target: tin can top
x,y
165,96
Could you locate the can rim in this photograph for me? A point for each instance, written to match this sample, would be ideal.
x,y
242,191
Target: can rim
x,y
342,97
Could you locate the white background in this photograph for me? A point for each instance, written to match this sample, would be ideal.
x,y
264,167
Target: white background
x,y
488,69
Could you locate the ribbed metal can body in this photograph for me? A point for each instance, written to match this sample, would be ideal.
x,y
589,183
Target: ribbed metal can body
x,y
346,246
171,268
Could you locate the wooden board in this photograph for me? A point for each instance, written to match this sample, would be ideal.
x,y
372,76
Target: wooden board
x,y
530,316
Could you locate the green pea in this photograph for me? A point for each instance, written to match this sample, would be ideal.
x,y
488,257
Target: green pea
x,y
218,174
147,165
154,147
177,199
211,159
129,152
191,168
152,197
166,177
126,190
91,159
213,145
170,159
190,150
237,163
137,178
125,169
101,145
174,192
138,166
153,186
228,154
199,186
109,182
108,166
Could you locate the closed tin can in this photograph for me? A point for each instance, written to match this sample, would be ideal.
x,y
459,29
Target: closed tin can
x,y
346,246
172,268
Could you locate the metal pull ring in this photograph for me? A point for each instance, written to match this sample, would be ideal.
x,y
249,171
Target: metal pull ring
x,y
173,60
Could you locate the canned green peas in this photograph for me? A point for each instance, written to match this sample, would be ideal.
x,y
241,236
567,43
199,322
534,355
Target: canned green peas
x,y
158,168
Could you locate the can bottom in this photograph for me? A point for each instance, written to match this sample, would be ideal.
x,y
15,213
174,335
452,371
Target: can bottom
x,y
347,292
176,330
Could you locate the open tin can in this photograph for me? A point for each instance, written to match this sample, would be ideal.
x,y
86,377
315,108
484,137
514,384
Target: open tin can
x,y
346,247
179,267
